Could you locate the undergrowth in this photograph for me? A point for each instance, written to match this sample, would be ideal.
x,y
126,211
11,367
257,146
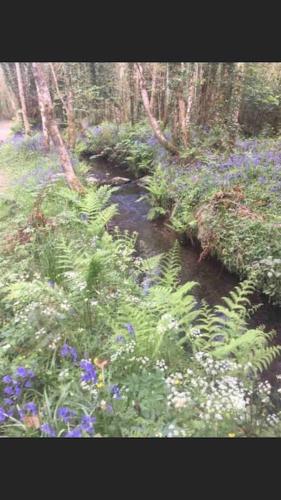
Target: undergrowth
x,y
86,351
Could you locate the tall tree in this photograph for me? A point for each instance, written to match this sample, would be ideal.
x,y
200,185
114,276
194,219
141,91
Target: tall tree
x,y
22,100
153,122
46,107
236,95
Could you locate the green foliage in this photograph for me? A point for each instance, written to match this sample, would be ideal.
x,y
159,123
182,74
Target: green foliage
x,y
171,368
158,195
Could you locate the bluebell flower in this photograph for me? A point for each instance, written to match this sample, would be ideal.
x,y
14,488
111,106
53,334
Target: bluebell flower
x,y
10,412
22,372
31,408
9,390
8,401
47,429
68,351
7,379
130,328
115,391
90,374
28,383
87,424
74,433
17,390
65,414
3,415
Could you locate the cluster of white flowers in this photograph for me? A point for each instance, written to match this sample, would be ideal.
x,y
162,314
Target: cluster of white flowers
x,y
128,348
22,316
175,379
49,311
53,344
142,360
264,389
174,431
177,399
65,306
40,332
166,323
85,386
103,405
161,365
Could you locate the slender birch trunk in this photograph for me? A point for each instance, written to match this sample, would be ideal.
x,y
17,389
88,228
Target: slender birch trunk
x,y
22,100
47,110
153,122
153,87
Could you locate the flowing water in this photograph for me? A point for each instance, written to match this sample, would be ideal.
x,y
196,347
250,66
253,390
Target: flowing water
x,y
214,280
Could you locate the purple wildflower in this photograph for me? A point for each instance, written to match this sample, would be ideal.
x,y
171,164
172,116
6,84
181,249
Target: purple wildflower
x,y
31,408
115,391
74,433
130,328
7,379
87,424
22,372
65,414
47,429
3,414
120,338
17,390
8,401
90,374
68,351
9,390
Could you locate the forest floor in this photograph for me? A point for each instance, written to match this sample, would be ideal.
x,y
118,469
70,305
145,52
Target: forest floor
x,y
5,127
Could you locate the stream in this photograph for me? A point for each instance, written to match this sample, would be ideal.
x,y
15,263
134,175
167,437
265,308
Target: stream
x,y
213,279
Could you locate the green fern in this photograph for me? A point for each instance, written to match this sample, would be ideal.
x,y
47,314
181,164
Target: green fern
x,y
171,267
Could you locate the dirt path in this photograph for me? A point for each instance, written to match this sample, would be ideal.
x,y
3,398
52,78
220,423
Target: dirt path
x,y
5,126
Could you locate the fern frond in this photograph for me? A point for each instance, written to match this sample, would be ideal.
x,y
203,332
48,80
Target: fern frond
x,y
171,267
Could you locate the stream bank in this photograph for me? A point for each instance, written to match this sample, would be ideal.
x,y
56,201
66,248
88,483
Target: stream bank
x,y
214,280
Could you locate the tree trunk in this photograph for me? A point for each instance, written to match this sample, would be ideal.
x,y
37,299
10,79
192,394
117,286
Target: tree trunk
x,y
190,98
22,100
43,116
153,87
236,96
70,119
153,122
47,110
182,107
67,104
131,91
